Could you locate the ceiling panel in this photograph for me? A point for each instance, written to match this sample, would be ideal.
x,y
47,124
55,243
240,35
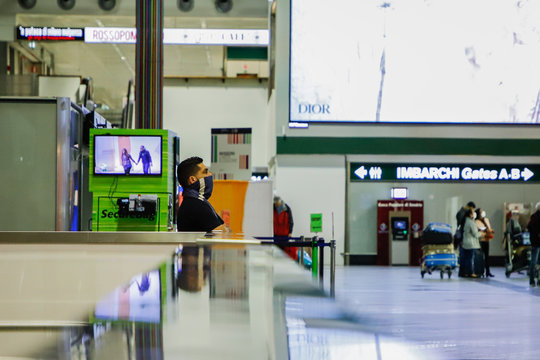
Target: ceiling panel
x,y
202,8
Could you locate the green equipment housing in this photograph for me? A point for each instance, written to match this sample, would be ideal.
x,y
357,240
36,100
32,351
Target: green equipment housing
x,y
134,200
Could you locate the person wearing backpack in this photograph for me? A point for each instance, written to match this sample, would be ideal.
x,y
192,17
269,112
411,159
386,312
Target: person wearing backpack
x,y
460,221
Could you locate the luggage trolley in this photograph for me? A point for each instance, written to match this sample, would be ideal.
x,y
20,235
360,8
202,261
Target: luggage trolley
x,y
437,250
518,252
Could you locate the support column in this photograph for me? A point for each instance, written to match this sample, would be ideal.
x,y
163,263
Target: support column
x,y
149,63
3,57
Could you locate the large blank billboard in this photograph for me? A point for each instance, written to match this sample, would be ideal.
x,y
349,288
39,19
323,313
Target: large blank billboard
x,y
415,61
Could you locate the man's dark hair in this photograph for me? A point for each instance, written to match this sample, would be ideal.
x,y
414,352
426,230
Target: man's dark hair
x,y
187,168
471,204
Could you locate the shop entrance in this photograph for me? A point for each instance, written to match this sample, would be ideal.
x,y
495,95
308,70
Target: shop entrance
x,y
399,223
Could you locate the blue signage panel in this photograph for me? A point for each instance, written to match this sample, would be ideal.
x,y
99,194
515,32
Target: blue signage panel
x,y
501,173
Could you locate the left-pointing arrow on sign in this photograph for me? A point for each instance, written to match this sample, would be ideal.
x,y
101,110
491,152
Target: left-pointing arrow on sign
x,y
526,174
361,172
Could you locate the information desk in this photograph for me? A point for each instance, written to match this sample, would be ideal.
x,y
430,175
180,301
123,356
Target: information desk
x,y
189,298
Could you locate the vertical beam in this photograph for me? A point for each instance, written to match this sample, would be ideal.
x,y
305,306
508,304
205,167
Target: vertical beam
x,y
149,63
4,56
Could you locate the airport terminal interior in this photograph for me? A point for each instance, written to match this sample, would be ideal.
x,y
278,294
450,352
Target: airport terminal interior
x,y
373,168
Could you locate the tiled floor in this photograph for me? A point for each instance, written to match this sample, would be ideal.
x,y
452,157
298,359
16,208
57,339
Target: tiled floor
x,y
496,318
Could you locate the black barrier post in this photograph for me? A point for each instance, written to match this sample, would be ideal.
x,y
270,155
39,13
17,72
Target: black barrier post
x,y
300,252
333,268
321,262
314,259
317,252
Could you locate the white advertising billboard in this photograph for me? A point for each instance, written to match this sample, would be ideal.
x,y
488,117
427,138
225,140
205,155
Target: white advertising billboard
x,y
415,61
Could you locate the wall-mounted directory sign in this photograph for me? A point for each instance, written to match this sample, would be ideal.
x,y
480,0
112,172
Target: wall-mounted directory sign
x,y
403,172
231,154
49,33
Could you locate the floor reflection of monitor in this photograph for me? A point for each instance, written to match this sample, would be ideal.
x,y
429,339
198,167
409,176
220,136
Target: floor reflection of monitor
x,y
140,300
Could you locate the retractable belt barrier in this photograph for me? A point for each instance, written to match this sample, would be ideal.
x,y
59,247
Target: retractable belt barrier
x,y
317,246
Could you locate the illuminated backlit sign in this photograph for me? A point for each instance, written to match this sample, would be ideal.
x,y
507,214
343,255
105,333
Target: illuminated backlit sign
x,y
49,33
505,173
121,35
244,37
399,193
103,35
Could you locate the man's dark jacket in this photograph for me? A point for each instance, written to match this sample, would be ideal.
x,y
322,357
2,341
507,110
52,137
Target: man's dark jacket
x,y
197,215
534,228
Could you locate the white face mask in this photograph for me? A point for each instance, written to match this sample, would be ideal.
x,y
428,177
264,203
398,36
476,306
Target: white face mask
x,y
474,215
483,214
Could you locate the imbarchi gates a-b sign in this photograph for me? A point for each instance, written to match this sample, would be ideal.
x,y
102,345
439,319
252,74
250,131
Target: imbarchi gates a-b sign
x,y
429,172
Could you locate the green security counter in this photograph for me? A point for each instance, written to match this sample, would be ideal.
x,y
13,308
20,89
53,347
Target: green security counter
x,y
107,189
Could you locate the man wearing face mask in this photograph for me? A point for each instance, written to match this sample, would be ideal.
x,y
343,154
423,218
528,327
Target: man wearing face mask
x,y
195,212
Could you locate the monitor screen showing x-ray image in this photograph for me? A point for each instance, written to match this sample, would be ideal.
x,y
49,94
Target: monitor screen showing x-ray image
x,y
415,61
127,155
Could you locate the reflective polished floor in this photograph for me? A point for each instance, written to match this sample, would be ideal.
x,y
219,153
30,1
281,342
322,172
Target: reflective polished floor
x,y
165,300
206,299
495,318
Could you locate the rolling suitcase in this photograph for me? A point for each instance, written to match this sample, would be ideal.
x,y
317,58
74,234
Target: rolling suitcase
x,y
437,260
437,234
445,263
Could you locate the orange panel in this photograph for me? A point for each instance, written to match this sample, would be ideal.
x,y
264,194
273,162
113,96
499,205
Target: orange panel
x,y
228,199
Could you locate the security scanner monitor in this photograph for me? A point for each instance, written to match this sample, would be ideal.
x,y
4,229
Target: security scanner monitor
x,y
127,155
